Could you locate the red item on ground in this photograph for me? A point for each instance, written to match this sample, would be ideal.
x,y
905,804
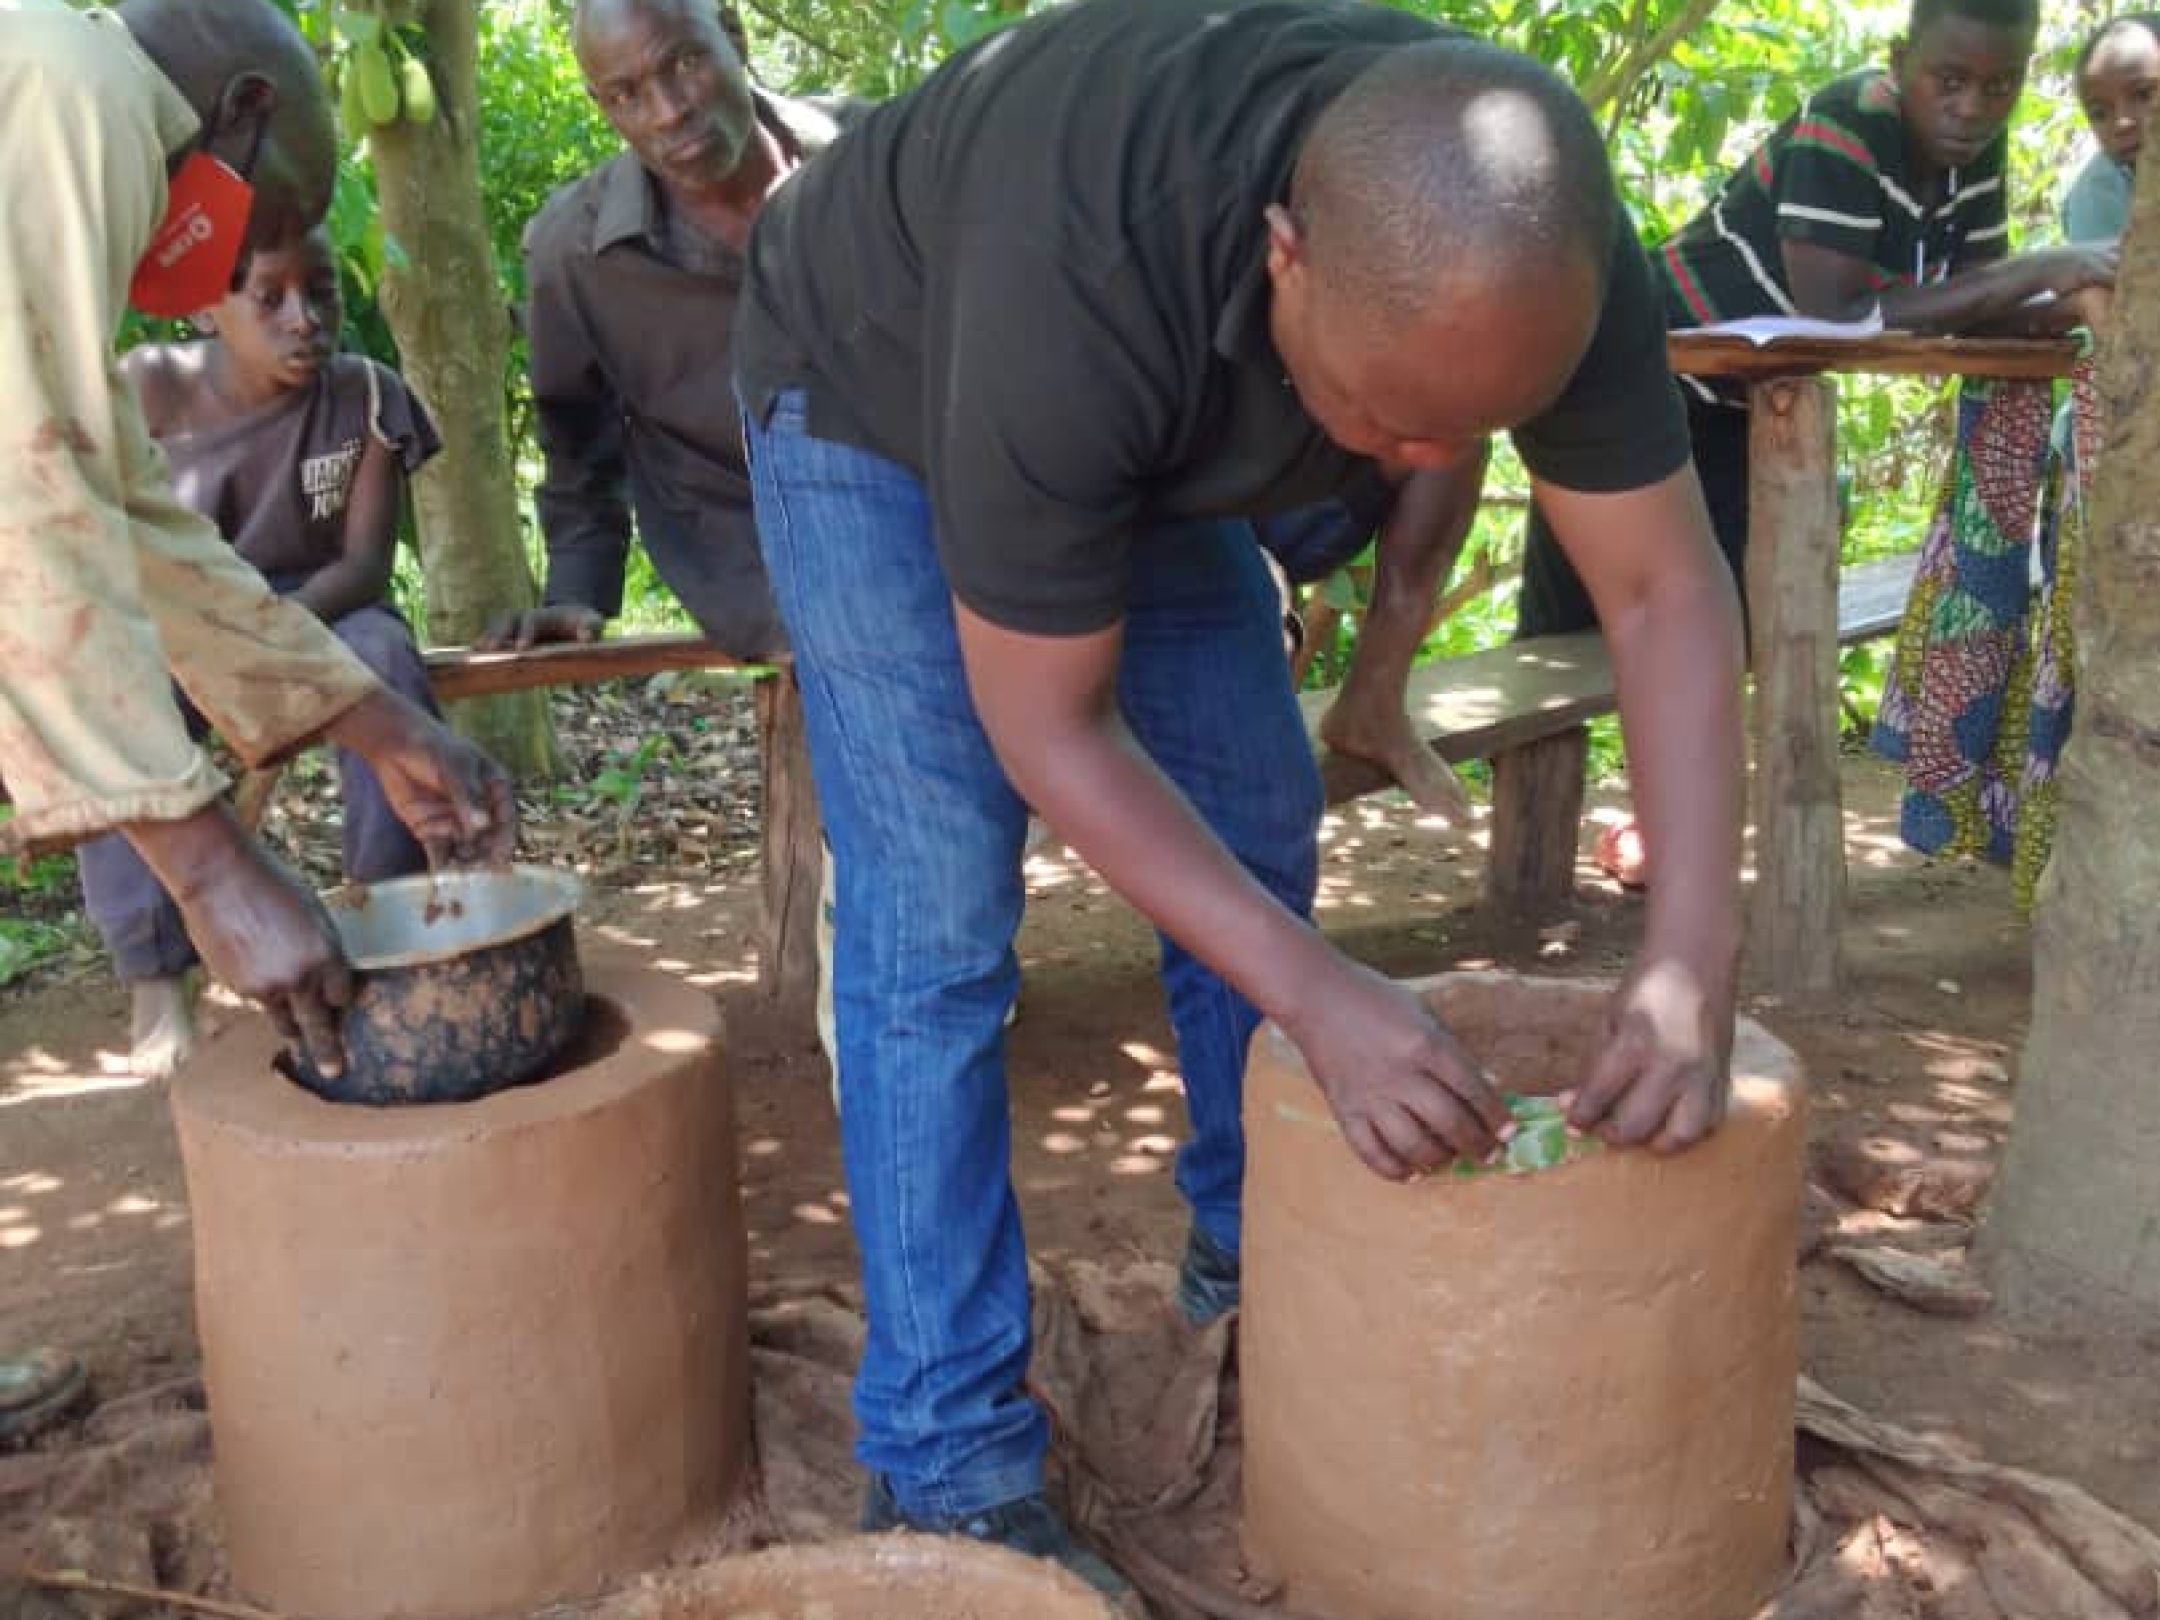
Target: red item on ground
x,y
1619,855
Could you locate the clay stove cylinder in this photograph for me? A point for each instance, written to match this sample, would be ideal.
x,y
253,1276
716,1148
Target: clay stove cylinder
x,y
1521,1396
471,1358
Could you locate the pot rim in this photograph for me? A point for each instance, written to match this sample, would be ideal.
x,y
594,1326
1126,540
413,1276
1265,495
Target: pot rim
x,y
568,889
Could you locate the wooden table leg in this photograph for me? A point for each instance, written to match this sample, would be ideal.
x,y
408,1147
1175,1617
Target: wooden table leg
x,y
792,855
1536,821
1797,908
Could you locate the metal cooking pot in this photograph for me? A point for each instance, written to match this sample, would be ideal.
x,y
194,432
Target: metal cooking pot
x,y
468,983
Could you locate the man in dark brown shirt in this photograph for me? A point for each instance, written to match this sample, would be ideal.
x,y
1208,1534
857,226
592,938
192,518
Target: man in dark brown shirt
x,y
634,270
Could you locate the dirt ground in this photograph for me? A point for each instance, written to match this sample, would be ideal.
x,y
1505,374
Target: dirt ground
x,y
94,1239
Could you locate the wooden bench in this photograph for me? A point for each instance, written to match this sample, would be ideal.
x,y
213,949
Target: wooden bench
x,y
1525,708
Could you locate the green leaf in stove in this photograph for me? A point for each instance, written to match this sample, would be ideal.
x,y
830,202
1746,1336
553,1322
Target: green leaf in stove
x,y
1532,1110
1538,1146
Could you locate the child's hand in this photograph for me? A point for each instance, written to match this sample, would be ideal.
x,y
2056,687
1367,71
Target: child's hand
x,y
536,627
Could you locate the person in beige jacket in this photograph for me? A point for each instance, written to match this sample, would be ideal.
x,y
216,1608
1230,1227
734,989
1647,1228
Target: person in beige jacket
x,y
141,148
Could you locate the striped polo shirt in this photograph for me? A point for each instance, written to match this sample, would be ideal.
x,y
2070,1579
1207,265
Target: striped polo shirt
x,y
1835,173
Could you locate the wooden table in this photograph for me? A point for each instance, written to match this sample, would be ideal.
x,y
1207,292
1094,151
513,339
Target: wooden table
x,y
1796,910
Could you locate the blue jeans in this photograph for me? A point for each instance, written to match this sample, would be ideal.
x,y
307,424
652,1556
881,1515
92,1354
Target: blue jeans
x,y
926,836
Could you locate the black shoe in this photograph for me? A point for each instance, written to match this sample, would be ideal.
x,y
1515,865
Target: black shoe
x,y
1209,1279
1027,1524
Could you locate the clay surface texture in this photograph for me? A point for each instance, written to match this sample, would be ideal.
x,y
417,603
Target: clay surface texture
x,y
895,1577
1517,1397
479,1357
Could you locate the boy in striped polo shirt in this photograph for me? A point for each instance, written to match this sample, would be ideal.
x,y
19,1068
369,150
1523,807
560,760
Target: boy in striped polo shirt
x,y
1883,192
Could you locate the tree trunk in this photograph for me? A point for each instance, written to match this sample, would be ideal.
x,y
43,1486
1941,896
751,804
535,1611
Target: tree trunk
x,y
2076,1218
445,307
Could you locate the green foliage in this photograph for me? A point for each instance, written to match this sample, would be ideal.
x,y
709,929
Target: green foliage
x,y
25,945
872,48
38,922
621,783
1683,87
538,130
1861,672
648,605
538,127
37,881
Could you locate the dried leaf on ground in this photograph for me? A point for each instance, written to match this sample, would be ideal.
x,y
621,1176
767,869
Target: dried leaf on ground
x,y
1939,1286
1885,1169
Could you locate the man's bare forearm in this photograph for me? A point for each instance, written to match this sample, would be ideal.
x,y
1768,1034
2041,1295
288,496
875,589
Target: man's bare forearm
x,y
190,853
1678,668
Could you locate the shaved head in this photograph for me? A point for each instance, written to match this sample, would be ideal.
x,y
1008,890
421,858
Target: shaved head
x,y
1440,266
1447,168
200,44
590,18
243,66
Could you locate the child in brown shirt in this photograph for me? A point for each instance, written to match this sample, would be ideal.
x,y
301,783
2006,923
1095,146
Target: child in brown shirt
x,y
298,454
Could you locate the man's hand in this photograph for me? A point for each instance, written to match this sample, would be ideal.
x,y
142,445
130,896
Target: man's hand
x,y
2082,280
1408,1096
1419,542
2065,270
1672,624
536,627
2088,307
1367,724
2092,307
1662,1079
258,931
455,799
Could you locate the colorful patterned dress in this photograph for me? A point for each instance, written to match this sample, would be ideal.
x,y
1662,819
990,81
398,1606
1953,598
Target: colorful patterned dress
x,y
1977,704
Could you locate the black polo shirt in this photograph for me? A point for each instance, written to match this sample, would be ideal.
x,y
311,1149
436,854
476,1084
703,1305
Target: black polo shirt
x,y
1039,282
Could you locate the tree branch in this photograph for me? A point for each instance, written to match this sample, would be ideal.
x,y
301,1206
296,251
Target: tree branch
x,y
1637,25
1616,83
795,30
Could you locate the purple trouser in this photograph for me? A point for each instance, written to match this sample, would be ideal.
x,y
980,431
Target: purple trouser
x,y
137,919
